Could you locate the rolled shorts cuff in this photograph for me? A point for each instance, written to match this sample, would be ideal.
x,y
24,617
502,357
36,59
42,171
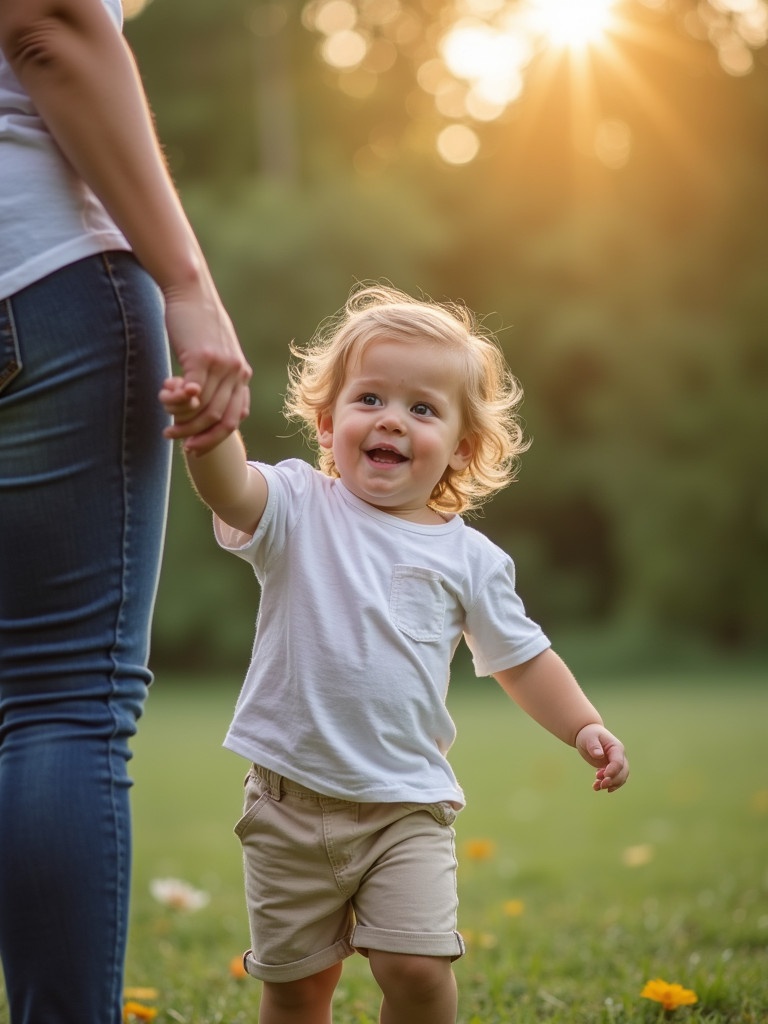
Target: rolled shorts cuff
x,y
299,969
448,944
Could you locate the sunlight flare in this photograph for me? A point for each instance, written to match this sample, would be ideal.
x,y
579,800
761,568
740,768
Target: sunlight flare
x,y
564,23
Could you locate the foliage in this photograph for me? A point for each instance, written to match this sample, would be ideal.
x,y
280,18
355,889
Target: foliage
x,y
630,300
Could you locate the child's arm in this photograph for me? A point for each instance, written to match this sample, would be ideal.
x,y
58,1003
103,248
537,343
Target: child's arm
x,y
235,491
545,689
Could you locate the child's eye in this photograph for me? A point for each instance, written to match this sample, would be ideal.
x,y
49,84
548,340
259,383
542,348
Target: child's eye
x,y
369,400
422,409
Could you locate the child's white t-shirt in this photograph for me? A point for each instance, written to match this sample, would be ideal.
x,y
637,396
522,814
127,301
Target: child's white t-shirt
x,y
360,615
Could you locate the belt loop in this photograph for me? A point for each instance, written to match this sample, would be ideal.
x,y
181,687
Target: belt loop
x,y
275,783
272,780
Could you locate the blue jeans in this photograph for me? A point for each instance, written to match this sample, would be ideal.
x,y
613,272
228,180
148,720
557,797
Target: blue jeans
x,y
83,496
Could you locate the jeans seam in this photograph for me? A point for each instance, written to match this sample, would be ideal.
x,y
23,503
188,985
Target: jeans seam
x,y
120,852
78,573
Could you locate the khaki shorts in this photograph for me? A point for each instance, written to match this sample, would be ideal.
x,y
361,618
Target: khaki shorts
x,y
325,877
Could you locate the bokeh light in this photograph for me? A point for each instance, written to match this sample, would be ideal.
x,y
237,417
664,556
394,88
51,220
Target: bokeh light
x,y
345,49
458,144
475,61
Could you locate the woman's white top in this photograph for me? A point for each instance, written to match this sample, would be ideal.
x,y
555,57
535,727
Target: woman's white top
x,y
48,217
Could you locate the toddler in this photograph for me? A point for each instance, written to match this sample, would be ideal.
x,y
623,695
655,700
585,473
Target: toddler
x,y
369,579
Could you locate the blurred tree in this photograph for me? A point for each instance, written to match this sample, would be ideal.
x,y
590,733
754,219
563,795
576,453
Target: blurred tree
x,y
611,223
285,259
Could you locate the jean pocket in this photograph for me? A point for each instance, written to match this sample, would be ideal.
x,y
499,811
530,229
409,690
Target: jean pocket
x,y
10,355
417,602
443,811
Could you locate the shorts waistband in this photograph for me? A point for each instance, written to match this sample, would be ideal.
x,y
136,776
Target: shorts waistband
x,y
277,785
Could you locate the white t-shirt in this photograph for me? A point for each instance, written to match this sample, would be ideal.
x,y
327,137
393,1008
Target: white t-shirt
x,y
48,217
360,615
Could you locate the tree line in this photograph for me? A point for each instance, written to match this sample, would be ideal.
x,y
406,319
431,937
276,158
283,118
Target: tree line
x,y
630,302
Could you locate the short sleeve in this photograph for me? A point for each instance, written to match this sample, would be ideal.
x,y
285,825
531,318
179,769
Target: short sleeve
x,y
288,485
498,632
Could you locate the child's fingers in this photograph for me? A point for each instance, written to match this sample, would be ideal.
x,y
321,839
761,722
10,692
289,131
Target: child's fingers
x,y
179,388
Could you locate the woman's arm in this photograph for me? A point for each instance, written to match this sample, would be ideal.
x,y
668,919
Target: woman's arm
x,y
78,70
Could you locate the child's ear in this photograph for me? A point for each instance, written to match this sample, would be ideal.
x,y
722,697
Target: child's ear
x,y
462,454
325,429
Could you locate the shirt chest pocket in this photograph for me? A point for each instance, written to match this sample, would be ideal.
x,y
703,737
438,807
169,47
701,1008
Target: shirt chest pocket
x,y
417,602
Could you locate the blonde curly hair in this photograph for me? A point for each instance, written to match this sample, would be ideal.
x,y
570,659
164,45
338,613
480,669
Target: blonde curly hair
x,y
490,396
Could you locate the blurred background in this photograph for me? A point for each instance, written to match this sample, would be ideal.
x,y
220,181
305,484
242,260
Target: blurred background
x,y
590,178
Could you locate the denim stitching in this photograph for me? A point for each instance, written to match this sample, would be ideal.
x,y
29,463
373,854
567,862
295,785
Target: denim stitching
x,y
111,275
10,358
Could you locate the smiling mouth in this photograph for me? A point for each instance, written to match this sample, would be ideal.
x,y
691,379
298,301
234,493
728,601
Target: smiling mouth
x,y
385,456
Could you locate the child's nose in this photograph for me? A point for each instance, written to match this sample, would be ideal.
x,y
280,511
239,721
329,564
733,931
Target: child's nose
x,y
391,419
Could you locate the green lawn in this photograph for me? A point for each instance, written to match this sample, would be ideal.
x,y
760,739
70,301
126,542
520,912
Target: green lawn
x,y
570,900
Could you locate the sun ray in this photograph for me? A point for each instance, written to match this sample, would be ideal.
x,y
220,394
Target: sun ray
x,y
572,25
676,134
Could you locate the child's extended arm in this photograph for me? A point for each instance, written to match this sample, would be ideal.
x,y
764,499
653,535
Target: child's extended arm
x,y
545,689
235,491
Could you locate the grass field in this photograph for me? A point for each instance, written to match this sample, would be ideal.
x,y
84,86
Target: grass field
x,y
570,900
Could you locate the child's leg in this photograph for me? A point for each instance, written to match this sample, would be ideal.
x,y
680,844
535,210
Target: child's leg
x,y
307,1001
417,989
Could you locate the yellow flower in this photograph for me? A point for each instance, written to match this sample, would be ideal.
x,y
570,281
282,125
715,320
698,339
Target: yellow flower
x,y
669,995
513,908
480,849
760,801
137,1011
140,993
237,967
483,940
637,856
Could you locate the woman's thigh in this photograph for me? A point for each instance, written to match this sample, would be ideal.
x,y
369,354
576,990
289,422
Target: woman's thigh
x,y
83,476
83,493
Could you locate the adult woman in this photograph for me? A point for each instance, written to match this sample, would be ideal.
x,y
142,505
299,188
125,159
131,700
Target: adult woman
x,y
97,263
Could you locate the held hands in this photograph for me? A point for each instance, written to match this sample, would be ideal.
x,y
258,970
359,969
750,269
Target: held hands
x,y
604,752
181,400
211,398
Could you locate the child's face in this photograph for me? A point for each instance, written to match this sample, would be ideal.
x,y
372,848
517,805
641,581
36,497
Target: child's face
x,y
395,426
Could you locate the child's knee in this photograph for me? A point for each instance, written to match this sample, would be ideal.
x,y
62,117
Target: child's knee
x,y
418,978
303,992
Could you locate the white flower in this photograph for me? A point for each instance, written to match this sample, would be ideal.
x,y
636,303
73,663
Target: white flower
x,y
173,892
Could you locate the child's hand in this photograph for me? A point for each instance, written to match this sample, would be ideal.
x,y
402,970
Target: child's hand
x,y
180,398
603,751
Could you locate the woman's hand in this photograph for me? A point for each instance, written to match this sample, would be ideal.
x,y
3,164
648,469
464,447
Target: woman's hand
x,y
214,370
